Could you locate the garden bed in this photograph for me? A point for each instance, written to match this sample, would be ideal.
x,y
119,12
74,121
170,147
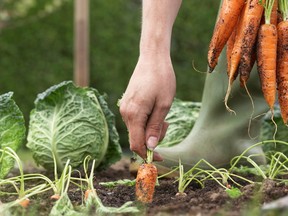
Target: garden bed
x,y
210,200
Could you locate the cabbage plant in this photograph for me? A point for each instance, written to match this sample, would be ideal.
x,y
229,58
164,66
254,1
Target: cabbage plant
x,y
70,122
12,131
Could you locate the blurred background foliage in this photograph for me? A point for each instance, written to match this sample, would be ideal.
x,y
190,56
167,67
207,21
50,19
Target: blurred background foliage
x,y
36,47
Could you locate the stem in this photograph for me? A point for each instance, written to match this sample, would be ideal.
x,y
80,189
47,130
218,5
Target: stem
x,y
90,180
253,146
13,154
55,168
268,10
149,156
283,6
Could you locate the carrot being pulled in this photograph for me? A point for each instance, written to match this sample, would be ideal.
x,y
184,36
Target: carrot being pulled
x,y
226,22
282,61
266,56
146,180
244,41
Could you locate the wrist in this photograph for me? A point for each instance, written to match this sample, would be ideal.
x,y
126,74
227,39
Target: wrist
x,y
155,48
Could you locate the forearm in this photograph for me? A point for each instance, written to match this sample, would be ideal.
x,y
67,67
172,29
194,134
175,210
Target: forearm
x,y
158,17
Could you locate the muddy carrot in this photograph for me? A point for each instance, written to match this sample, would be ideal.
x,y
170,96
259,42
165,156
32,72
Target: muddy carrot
x,y
146,180
24,203
245,66
230,45
282,61
245,39
226,22
266,56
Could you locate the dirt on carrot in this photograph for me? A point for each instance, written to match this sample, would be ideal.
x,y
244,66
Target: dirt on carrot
x,y
244,41
145,182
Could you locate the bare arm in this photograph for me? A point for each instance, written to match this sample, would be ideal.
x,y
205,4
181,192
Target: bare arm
x,y
151,89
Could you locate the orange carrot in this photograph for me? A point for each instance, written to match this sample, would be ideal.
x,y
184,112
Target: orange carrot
x,y
266,61
226,22
245,66
55,197
245,39
266,56
282,63
145,182
25,203
87,192
230,45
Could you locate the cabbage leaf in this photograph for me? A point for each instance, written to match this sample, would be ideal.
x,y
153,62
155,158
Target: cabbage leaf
x,y
70,122
12,131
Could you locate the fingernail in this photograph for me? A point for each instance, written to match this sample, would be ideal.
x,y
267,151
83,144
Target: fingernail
x,y
152,142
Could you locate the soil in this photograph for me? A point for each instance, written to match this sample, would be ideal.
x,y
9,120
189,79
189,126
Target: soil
x,y
198,201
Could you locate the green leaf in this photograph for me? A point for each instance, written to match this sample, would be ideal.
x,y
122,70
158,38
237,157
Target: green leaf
x,y
114,150
12,131
234,192
94,206
126,182
64,207
69,123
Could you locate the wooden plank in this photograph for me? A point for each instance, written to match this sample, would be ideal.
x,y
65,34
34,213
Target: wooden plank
x,y
81,42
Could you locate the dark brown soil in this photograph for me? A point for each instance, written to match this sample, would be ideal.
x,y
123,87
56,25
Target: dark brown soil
x,y
210,200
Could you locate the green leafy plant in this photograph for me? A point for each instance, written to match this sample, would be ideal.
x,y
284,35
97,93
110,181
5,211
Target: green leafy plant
x,y
233,192
63,205
277,161
70,122
112,184
196,173
12,131
22,193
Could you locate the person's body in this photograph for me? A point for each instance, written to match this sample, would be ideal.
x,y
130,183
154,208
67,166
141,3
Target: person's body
x,y
217,135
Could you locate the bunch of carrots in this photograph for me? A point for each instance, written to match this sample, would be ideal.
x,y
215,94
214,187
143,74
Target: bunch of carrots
x,y
254,31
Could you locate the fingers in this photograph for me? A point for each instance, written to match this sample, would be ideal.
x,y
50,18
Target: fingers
x,y
139,126
135,122
156,126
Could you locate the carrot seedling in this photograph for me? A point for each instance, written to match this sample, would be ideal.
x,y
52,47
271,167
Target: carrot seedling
x,y
93,203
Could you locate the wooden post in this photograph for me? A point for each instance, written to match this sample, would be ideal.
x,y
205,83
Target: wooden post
x,y
81,42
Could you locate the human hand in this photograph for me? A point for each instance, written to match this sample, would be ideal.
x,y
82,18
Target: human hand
x,y
147,101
